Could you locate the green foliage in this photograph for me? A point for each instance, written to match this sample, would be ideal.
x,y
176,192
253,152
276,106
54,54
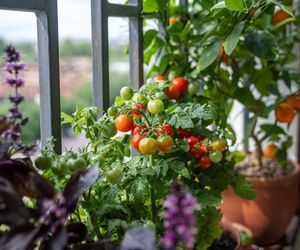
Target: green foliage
x,y
243,188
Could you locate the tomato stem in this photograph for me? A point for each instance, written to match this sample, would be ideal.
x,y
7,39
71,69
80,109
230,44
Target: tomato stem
x,y
152,195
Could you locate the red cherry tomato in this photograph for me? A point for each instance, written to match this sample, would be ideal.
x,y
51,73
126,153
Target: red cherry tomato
x,y
139,130
204,162
138,108
196,151
135,140
164,130
159,78
203,148
193,140
181,83
124,123
183,133
173,92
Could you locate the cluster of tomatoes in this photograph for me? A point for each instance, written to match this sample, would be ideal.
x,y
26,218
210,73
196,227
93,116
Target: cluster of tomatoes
x,y
177,87
147,145
206,153
287,111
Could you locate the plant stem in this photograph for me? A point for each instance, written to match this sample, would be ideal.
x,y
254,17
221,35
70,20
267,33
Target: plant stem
x,y
258,148
152,195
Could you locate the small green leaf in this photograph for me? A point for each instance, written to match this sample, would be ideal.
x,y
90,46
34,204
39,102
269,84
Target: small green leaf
x,y
209,55
150,6
149,36
232,40
220,5
244,96
236,5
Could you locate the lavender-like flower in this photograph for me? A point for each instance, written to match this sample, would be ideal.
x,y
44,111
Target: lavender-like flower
x,y
15,117
179,219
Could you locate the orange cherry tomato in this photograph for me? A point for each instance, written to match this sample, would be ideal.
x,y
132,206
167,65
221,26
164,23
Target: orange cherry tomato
x,y
285,113
124,123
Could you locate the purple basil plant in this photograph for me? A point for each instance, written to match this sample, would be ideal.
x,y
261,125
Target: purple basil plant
x,y
11,124
179,219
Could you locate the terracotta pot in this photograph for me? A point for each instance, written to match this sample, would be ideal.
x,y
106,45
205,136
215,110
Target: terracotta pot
x,y
270,213
233,232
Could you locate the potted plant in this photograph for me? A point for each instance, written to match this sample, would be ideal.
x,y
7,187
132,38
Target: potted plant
x,y
249,60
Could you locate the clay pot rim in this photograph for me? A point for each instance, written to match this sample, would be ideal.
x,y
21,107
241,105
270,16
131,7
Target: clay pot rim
x,y
229,227
278,179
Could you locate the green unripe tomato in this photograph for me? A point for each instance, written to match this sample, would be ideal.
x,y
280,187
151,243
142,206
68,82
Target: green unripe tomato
x,y
155,106
75,164
43,162
216,156
160,95
59,168
115,176
193,88
126,93
112,111
138,98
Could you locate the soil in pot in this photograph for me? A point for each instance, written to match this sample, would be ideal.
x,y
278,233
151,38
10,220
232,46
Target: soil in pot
x,y
226,242
277,196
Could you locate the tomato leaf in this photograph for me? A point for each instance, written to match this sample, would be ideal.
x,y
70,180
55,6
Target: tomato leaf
x,y
232,40
181,120
203,111
244,96
205,198
244,188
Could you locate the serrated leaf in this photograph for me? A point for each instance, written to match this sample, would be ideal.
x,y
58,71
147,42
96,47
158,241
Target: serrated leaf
x,y
181,169
209,55
181,120
244,188
207,199
203,111
232,40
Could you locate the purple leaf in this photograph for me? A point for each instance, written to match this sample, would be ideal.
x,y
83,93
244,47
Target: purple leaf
x,y
77,232
19,238
76,186
12,209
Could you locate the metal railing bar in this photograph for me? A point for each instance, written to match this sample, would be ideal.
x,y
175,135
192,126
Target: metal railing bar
x,y
48,50
136,48
25,5
119,10
100,54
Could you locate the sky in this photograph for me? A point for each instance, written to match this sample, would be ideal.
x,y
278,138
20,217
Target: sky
x,y
74,18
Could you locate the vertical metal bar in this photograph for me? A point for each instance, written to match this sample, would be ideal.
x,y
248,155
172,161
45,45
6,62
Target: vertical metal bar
x,y
47,25
136,47
100,53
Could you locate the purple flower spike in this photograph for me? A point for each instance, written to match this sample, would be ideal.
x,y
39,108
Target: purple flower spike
x,y
179,219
